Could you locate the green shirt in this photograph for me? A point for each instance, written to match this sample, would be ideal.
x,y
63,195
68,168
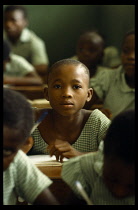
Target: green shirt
x,y
89,139
87,169
112,88
31,47
22,178
18,66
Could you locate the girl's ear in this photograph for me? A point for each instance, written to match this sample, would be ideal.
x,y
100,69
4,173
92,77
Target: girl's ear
x,y
46,93
90,93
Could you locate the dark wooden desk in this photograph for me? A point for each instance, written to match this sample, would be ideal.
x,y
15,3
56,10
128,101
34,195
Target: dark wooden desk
x,y
59,189
31,92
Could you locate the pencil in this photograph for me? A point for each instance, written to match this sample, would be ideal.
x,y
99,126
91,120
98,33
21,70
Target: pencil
x,y
39,121
83,193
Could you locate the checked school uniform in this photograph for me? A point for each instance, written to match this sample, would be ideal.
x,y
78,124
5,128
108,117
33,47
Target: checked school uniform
x,y
89,139
22,178
87,169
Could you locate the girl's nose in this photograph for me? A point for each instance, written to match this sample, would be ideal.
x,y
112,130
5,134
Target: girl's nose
x,y
67,93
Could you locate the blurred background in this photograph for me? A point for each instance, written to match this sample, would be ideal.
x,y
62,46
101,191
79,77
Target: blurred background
x,y
60,25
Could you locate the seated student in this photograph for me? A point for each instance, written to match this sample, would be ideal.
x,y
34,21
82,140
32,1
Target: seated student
x,y
17,70
90,51
20,176
108,176
116,88
23,41
68,130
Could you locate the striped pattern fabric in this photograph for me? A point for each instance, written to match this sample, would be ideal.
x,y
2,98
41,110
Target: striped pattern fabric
x,y
24,179
88,170
89,139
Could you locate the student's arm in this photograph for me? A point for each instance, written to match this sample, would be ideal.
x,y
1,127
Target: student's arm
x,y
63,149
46,198
41,69
30,79
68,196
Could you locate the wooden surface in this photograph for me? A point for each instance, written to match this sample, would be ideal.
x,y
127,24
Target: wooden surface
x,y
31,92
40,103
59,189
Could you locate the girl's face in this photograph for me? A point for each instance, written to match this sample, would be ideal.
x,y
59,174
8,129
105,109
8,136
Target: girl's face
x,y
119,177
68,89
11,144
128,55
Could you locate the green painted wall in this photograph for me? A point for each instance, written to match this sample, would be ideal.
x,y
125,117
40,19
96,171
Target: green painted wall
x,y
60,25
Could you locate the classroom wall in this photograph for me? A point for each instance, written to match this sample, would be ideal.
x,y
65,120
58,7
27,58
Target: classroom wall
x,y
60,25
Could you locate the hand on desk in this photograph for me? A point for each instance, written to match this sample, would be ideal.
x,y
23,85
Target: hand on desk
x,y
62,149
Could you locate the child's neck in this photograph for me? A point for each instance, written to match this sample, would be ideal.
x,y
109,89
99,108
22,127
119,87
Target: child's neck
x,y
66,121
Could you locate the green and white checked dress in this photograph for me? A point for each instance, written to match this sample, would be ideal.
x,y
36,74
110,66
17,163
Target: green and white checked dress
x,y
88,170
24,179
89,139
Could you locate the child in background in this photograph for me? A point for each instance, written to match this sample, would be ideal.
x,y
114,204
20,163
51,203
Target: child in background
x,y
116,88
23,41
17,70
108,176
90,51
68,130
20,176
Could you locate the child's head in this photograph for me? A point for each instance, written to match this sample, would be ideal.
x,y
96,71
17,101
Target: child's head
x,y
90,48
15,20
128,54
68,86
119,155
17,124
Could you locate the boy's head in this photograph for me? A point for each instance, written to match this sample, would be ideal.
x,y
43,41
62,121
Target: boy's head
x,y
119,155
90,48
128,54
15,20
68,86
17,124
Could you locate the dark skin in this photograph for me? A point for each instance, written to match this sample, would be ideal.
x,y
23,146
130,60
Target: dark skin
x,y
67,93
14,23
13,141
119,177
90,50
31,78
128,62
128,59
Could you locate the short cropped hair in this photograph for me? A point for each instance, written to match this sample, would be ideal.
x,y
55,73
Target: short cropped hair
x,y
11,8
68,62
120,138
90,34
17,112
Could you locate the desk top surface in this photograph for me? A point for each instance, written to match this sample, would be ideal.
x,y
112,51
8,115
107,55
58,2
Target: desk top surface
x,y
48,165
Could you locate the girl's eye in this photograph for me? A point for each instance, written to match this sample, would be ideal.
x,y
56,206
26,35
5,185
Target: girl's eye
x,y
76,86
57,86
